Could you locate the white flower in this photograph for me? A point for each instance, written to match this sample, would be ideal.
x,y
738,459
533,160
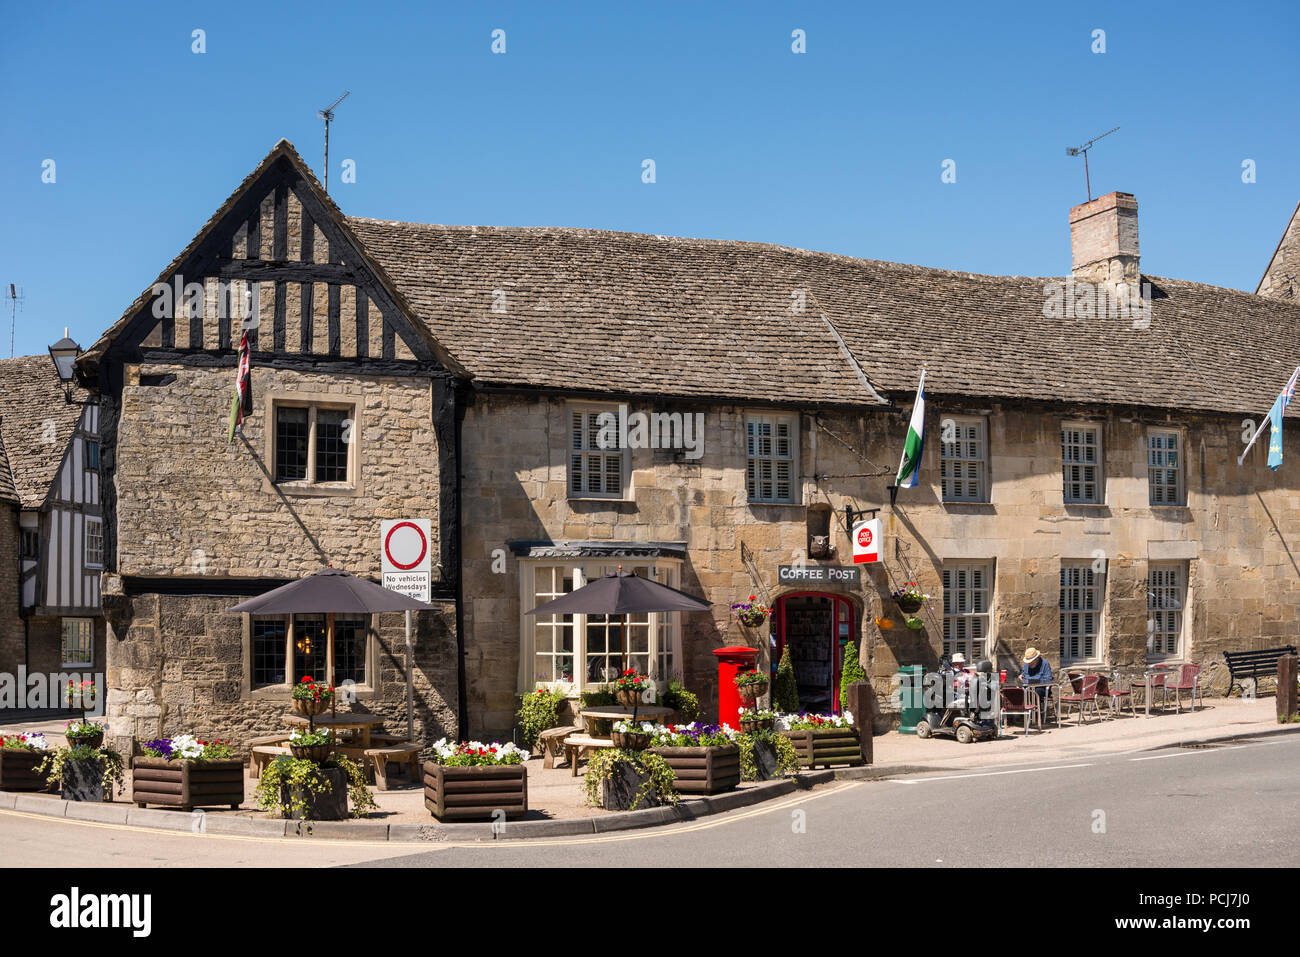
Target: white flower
x,y
186,746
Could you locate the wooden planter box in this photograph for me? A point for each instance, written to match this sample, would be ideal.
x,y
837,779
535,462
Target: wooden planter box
x,y
703,770
474,793
187,784
18,770
826,747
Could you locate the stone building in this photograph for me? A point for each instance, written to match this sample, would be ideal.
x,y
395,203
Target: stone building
x,y
1079,490
1281,280
51,526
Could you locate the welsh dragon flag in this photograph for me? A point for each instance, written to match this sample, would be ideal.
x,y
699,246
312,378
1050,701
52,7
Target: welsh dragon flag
x,y
241,404
911,462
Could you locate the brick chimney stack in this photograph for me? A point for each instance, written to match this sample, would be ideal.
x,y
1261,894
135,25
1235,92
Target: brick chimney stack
x,y
1104,239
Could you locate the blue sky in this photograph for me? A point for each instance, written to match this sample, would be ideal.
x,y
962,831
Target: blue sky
x,y
836,149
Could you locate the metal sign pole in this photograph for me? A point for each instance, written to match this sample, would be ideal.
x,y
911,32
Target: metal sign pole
x,y
410,682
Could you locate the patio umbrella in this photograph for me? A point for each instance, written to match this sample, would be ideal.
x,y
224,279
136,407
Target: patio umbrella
x,y
332,591
621,593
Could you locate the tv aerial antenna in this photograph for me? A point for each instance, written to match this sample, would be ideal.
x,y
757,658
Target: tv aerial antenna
x,y
16,298
327,115
1069,151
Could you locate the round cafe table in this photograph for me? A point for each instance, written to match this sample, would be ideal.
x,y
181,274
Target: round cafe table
x,y
360,723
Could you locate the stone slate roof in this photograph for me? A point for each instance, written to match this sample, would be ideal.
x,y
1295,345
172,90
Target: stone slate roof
x,y
30,397
622,312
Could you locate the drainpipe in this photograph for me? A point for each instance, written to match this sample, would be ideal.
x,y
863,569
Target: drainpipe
x,y
462,708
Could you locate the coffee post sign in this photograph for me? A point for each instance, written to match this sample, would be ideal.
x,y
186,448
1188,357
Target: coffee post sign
x,y
818,574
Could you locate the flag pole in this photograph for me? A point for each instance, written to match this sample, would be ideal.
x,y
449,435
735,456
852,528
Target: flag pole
x,y
1260,428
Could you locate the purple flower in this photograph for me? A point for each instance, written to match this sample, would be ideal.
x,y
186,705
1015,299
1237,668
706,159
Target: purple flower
x,y
159,747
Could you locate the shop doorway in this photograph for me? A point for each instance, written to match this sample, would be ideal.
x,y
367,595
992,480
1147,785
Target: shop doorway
x,y
815,626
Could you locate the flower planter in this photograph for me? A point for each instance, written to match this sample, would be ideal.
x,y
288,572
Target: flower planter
x,y
631,740
90,740
827,746
312,752
910,605
752,692
18,770
187,784
83,780
702,770
622,789
761,724
310,707
330,804
627,699
475,793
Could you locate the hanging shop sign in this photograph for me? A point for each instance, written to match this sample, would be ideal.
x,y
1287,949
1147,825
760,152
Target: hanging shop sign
x,y
866,541
818,574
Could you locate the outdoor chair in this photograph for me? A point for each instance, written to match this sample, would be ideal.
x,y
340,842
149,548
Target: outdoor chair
x,y
1013,703
405,753
1085,695
1188,679
1115,695
552,742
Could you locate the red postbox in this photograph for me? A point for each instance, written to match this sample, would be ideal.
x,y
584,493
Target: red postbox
x,y
731,662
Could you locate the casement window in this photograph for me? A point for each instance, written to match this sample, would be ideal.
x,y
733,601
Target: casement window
x,y
1166,596
94,557
92,455
963,469
1165,467
302,641
590,651
1081,466
29,543
967,594
771,449
313,443
598,467
78,645
1082,594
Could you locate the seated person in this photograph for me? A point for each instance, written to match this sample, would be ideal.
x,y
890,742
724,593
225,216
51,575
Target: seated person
x,y
1036,671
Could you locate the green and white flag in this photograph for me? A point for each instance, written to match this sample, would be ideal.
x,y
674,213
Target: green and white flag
x,y
912,448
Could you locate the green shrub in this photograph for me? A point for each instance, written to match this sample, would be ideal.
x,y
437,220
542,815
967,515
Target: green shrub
x,y
787,759
785,692
851,672
685,703
537,712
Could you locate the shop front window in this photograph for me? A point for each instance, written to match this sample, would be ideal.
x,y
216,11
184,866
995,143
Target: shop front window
x,y
302,642
588,651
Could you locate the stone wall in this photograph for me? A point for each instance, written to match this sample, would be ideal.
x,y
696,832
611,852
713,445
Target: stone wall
x,y
1282,278
1244,588
190,505
179,665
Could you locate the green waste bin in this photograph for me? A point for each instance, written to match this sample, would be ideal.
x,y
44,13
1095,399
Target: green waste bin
x,y
911,697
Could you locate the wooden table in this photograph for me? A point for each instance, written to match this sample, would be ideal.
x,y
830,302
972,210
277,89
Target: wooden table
x,y
361,723
619,713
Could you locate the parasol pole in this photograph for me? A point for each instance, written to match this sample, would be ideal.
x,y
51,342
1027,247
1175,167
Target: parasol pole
x,y
329,666
410,682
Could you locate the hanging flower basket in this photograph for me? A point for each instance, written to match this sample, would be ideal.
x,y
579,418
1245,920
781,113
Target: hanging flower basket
x,y
311,745
751,685
910,598
884,623
311,699
627,699
916,624
631,740
751,613
84,732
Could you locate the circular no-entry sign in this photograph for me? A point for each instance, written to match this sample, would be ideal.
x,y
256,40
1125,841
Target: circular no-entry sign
x,y
405,545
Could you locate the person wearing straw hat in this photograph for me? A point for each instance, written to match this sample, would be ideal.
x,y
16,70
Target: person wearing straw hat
x,y
1036,671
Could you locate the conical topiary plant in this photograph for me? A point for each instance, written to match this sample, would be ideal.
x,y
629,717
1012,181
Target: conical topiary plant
x,y
851,671
785,691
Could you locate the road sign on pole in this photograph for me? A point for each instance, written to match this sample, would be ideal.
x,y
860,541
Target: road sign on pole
x,y
406,557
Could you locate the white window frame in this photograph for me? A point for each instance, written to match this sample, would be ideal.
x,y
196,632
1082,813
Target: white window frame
x,y
968,452
1086,597
86,626
1067,462
587,449
959,608
755,458
1166,609
664,628
1157,462
93,558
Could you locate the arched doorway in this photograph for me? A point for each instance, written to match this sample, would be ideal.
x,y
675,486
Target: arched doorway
x,y
815,625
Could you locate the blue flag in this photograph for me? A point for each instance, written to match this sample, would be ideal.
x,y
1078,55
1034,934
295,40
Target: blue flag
x,y
1275,432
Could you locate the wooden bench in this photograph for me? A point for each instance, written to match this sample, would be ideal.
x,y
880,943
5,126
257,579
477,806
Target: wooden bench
x,y
575,744
406,753
260,755
552,740
1253,664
